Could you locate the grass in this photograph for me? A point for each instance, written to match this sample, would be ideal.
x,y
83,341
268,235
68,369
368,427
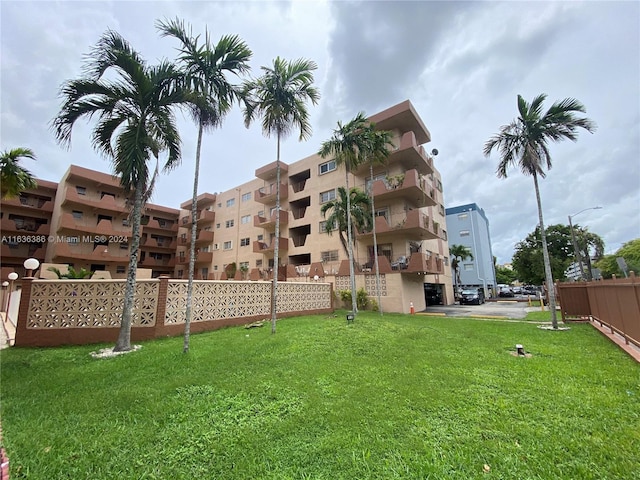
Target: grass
x,y
397,396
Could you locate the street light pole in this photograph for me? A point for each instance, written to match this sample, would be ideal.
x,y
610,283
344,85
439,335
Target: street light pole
x,y
578,257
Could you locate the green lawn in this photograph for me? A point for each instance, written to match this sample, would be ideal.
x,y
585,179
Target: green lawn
x,y
397,396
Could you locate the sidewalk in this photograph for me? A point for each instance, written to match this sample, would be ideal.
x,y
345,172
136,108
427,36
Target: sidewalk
x,y
7,332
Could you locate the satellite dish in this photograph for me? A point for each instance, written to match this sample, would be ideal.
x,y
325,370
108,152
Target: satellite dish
x,y
434,152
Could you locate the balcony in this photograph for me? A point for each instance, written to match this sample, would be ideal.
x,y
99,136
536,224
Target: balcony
x,y
267,195
155,243
103,227
408,154
268,172
30,202
89,253
154,224
107,203
270,223
202,237
408,186
411,225
261,247
24,227
21,252
201,217
157,262
424,263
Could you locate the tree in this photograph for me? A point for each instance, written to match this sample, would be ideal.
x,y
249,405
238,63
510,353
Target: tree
x,y
528,259
279,96
359,203
524,144
72,273
377,145
590,246
458,253
134,104
630,252
347,146
14,178
505,276
205,68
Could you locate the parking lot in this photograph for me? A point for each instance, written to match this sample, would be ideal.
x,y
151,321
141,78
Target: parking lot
x,y
501,308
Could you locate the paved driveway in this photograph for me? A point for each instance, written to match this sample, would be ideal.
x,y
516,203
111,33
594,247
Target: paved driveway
x,y
501,309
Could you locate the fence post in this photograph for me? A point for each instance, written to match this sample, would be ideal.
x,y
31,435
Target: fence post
x,y
161,307
23,311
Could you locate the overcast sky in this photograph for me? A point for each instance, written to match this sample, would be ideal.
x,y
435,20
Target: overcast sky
x,y
462,65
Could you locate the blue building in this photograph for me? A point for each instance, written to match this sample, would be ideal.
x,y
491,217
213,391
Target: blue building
x,y
468,225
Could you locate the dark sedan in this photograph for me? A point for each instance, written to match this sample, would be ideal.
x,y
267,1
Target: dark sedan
x,y
471,297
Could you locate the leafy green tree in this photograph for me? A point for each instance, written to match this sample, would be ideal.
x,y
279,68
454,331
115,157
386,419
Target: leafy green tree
x,y
14,178
279,96
630,251
348,146
72,273
206,68
528,260
134,105
359,203
589,245
458,253
524,144
505,275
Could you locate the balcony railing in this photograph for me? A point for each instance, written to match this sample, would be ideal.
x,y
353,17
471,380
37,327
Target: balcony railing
x,y
202,217
267,196
261,247
411,225
106,203
410,186
269,223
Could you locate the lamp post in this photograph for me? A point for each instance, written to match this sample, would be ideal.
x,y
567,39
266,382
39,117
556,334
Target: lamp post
x,y
31,264
13,276
5,284
574,241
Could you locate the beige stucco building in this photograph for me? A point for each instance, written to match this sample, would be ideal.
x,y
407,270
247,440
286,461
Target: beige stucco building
x,y
83,220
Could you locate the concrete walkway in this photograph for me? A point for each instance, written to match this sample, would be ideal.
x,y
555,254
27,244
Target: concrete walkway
x,y
7,332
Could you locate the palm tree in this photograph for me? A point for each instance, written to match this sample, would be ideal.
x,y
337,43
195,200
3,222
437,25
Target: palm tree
x,y
524,143
376,151
358,202
134,104
458,253
14,178
279,96
347,146
205,68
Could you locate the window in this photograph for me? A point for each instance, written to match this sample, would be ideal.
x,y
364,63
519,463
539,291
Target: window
x,y
261,213
76,214
227,245
219,205
180,273
329,256
327,167
244,242
217,225
444,235
323,226
246,197
215,268
229,223
439,185
327,196
81,190
216,246
464,233
125,222
231,202
244,265
468,266
121,269
124,246
462,216
383,212
441,209
245,219
260,238
258,263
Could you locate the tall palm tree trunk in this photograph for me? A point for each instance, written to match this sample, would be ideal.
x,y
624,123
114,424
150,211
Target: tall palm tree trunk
x,y
192,246
375,240
123,343
545,255
352,275
276,246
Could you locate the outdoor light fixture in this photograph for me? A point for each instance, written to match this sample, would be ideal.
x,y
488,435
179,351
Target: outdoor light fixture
x,y
520,350
31,264
13,276
5,284
350,317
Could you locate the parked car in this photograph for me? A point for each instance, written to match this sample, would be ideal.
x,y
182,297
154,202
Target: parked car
x,y
505,292
472,296
517,290
530,291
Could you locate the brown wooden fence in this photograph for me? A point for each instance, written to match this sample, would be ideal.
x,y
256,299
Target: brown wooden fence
x,y
614,303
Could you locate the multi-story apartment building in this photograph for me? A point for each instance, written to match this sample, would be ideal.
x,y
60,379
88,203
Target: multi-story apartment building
x,y
87,219
83,221
468,225
26,226
410,218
